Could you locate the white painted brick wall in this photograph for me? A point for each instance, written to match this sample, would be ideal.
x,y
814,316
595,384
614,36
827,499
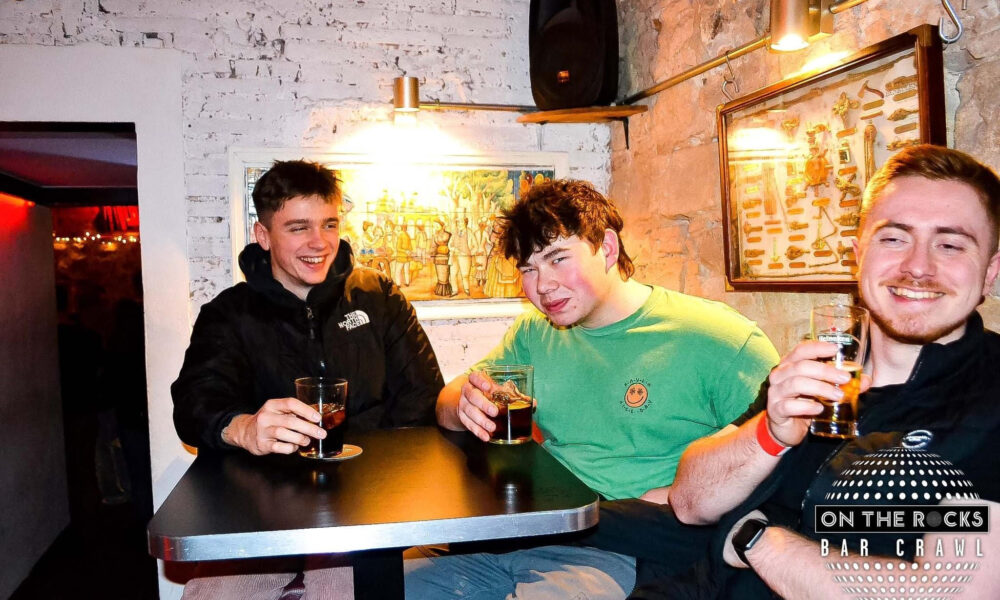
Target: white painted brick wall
x,y
460,344
317,73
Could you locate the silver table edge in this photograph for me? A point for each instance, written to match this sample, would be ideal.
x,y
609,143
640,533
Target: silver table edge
x,y
319,540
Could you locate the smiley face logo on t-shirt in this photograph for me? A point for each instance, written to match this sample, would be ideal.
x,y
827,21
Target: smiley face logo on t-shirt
x,y
636,395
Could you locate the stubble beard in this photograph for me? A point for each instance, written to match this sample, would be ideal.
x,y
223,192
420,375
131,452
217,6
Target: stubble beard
x,y
910,329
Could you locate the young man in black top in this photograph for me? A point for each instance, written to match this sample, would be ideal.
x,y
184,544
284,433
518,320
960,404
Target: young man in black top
x,y
305,310
927,254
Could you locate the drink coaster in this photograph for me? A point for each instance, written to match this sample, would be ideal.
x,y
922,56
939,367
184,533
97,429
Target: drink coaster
x,y
349,452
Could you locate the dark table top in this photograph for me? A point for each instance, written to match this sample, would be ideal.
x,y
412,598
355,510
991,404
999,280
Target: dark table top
x,y
409,487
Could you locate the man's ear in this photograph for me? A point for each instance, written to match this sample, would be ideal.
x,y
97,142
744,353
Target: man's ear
x,y
609,247
992,270
261,235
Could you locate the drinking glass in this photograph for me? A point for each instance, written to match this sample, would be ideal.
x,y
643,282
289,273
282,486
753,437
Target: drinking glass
x,y
846,326
329,398
513,390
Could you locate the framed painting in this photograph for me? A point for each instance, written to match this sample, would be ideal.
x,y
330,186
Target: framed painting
x,y
427,224
795,158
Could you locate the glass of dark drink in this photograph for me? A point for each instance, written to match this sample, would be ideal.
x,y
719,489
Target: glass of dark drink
x,y
329,398
512,393
846,326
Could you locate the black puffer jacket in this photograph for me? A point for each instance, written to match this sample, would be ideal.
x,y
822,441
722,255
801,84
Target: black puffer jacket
x,y
254,339
951,394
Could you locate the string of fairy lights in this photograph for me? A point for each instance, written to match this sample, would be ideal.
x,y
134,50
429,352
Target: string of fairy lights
x,y
110,242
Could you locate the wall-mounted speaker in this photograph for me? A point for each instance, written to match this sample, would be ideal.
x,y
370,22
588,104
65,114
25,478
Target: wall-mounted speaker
x,y
573,53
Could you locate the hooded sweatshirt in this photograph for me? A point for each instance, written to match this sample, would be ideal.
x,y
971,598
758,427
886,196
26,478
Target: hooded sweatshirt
x,y
253,340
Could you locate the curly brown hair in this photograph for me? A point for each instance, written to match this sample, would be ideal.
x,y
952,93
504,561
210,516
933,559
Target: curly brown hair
x,y
560,208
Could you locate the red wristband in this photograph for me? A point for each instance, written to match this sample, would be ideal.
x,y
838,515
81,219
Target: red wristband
x,y
766,440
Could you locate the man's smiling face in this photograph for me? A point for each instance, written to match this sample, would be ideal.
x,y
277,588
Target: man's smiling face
x,y
926,258
303,238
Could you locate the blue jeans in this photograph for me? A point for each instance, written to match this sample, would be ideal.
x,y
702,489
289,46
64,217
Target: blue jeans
x,y
547,572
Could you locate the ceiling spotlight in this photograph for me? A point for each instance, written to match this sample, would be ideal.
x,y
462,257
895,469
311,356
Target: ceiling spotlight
x,y
796,23
406,94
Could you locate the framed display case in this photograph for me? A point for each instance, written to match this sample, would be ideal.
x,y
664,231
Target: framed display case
x,y
795,158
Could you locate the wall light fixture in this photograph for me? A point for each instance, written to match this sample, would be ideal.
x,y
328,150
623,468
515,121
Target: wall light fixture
x,y
405,94
796,23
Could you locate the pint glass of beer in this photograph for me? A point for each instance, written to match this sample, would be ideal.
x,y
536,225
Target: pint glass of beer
x,y
846,326
512,393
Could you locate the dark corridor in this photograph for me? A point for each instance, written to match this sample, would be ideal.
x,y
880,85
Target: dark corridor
x,y
85,174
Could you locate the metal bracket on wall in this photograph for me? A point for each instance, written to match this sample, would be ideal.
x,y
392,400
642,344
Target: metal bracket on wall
x,y
435,105
624,122
589,114
722,59
696,70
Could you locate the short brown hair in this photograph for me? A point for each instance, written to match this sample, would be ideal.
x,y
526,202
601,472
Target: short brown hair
x,y
291,179
560,208
942,164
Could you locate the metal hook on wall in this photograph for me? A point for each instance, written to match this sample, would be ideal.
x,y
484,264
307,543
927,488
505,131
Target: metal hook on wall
x,y
949,39
729,78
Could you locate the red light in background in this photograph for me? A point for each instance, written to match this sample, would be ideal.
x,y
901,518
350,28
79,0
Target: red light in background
x,y
14,211
15,201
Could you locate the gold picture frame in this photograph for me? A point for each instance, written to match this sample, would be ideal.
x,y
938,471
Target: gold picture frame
x,y
795,157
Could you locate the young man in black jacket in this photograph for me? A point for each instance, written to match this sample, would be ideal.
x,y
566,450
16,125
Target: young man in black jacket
x,y
305,310
927,256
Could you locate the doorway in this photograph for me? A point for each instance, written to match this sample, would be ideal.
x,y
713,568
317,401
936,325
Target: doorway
x,y
85,174
133,85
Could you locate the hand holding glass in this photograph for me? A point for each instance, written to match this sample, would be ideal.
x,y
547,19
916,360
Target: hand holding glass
x,y
846,326
329,398
512,393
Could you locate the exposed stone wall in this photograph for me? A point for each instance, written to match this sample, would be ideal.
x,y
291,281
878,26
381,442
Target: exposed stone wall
x,y
668,182
316,74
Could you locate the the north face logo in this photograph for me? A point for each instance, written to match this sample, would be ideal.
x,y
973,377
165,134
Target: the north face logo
x,y
353,320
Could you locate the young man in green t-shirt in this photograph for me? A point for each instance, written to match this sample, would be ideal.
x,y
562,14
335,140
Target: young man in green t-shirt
x,y
626,376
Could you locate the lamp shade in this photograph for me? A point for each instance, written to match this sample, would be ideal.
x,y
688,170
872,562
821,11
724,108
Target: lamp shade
x,y
406,94
790,26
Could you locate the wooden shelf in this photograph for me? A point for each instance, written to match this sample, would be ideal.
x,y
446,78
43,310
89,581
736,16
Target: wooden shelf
x,y
587,114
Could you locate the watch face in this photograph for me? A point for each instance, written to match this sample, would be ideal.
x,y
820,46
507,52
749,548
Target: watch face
x,y
747,536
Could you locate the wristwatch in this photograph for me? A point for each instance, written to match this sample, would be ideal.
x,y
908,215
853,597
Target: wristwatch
x,y
746,536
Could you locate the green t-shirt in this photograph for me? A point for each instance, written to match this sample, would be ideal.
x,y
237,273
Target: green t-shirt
x,y
619,404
